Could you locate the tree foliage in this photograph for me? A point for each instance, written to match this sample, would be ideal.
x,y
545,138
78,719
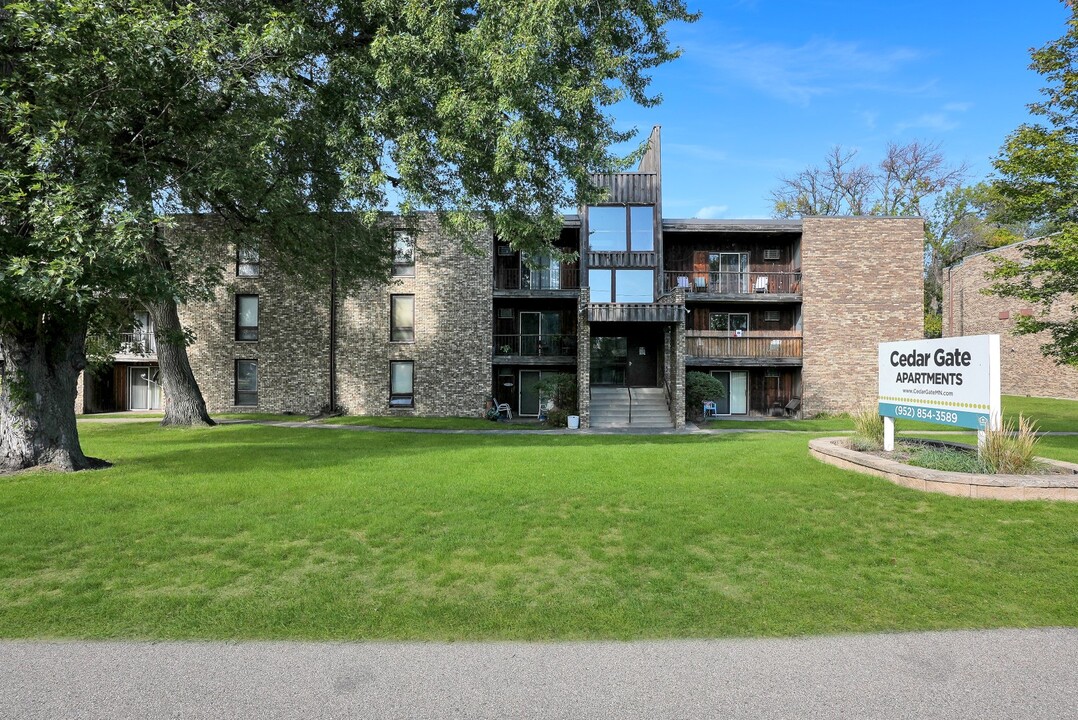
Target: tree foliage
x,y
1038,179
295,125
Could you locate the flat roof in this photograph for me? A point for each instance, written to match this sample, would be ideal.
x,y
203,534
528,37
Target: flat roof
x,y
770,225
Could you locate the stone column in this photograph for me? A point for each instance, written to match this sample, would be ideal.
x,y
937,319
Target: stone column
x,y
583,358
678,378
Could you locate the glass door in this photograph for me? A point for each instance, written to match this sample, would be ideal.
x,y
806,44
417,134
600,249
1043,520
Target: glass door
x,y
729,272
530,332
739,393
528,402
144,388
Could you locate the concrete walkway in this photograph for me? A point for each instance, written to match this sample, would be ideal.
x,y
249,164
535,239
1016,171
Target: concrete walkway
x,y
1029,674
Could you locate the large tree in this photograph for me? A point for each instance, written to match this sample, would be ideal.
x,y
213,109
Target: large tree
x,y
293,124
1038,167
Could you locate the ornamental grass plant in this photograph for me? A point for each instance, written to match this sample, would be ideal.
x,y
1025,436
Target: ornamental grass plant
x,y
868,427
1011,450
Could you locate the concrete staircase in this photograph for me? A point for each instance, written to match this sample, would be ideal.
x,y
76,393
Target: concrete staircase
x,y
611,406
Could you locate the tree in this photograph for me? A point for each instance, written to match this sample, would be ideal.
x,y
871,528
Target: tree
x,y
913,180
1038,181
292,125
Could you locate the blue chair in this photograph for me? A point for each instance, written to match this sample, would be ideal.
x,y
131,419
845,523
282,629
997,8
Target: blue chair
x,y
710,408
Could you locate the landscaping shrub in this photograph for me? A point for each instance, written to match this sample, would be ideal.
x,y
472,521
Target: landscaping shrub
x,y
868,427
699,388
1012,450
947,459
561,390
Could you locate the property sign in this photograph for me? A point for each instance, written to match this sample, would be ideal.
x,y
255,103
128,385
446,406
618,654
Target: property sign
x,y
951,381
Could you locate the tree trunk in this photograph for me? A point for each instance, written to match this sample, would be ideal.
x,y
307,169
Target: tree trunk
x,y
184,404
39,374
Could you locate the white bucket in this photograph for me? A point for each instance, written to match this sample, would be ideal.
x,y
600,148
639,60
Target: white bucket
x,y
574,422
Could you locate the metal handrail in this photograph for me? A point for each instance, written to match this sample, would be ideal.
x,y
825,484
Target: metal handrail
x,y
749,282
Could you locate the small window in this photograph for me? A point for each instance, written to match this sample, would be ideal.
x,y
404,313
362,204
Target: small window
x,y
728,321
246,382
402,318
403,254
400,383
246,317
247,262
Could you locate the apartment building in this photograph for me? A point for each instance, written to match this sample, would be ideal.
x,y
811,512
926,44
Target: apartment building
x,y
1024,370
785,313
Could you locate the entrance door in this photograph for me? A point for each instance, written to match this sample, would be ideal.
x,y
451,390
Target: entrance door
x,y
608,360
736,385
642,364
144,390
731,270
528,400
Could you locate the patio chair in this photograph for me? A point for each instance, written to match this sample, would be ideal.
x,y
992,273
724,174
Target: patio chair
x,y
761,284
710,408
791,407
503,408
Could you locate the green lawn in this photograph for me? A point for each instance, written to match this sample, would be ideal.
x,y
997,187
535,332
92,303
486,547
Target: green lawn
x,y
1051,415
248,531
431,423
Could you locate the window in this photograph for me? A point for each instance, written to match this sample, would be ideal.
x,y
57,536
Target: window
x,y
729,321
620,227
246,382
246,317
403,254
402,318
400,383
622,285
247,262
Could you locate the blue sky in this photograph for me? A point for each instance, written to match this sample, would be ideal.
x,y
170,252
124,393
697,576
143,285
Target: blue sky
x,y
765,89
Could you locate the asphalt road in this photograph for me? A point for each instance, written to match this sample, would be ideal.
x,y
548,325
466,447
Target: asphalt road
x,y
984,675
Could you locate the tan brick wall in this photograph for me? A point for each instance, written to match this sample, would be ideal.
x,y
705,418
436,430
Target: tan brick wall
x,y
452,351
1024,370
862,285
292,349
453,333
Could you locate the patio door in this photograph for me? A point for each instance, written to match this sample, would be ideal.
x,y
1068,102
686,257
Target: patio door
x,y
736,385
540,333
528,399
729,272
144,389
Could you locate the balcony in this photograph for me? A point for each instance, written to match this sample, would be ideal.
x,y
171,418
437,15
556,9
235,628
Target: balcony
x,y
523,281
137,344
761,285
534,349
713,347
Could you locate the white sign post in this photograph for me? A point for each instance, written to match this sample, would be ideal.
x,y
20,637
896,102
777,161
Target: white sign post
x,y
952,381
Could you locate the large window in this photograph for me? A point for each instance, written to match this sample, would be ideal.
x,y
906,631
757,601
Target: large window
x,y
400,383
729,321
622,285
403,254
247,262
620,227
246,317
402,318
246,382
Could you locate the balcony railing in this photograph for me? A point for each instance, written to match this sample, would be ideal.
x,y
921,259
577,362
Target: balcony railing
x,y
733,283
525,278
535,345
140,342
722,345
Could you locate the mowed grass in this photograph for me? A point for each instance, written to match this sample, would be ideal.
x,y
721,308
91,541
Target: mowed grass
x,y
430,423
1051,415
263,532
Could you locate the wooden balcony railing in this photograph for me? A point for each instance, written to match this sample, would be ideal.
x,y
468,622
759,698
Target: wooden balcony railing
x,y
722,345
733,283
524,278
535,345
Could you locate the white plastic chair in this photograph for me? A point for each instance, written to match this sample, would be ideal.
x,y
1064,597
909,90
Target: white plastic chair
x,y
761,284
504,408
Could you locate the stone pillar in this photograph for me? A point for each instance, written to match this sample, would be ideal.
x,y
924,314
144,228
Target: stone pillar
x,y
678,377
583,358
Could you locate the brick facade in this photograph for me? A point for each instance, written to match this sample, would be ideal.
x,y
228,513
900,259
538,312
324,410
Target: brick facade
x,y
863,285
1024,369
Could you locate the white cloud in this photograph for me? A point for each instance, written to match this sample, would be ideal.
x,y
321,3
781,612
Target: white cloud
x,y
798,74
941,120
711,212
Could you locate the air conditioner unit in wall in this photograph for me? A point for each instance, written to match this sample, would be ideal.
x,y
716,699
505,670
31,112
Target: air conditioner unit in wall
x,y
772,254
505,250
771,315
505,313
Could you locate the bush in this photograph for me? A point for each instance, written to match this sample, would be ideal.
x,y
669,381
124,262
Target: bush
x,y
868,427
700,388
561,391
1011,450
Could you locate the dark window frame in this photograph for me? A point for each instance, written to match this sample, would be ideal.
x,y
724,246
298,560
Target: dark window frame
x,y
628,226
401,400
401,334
247,333
252,260
249,394
405,267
